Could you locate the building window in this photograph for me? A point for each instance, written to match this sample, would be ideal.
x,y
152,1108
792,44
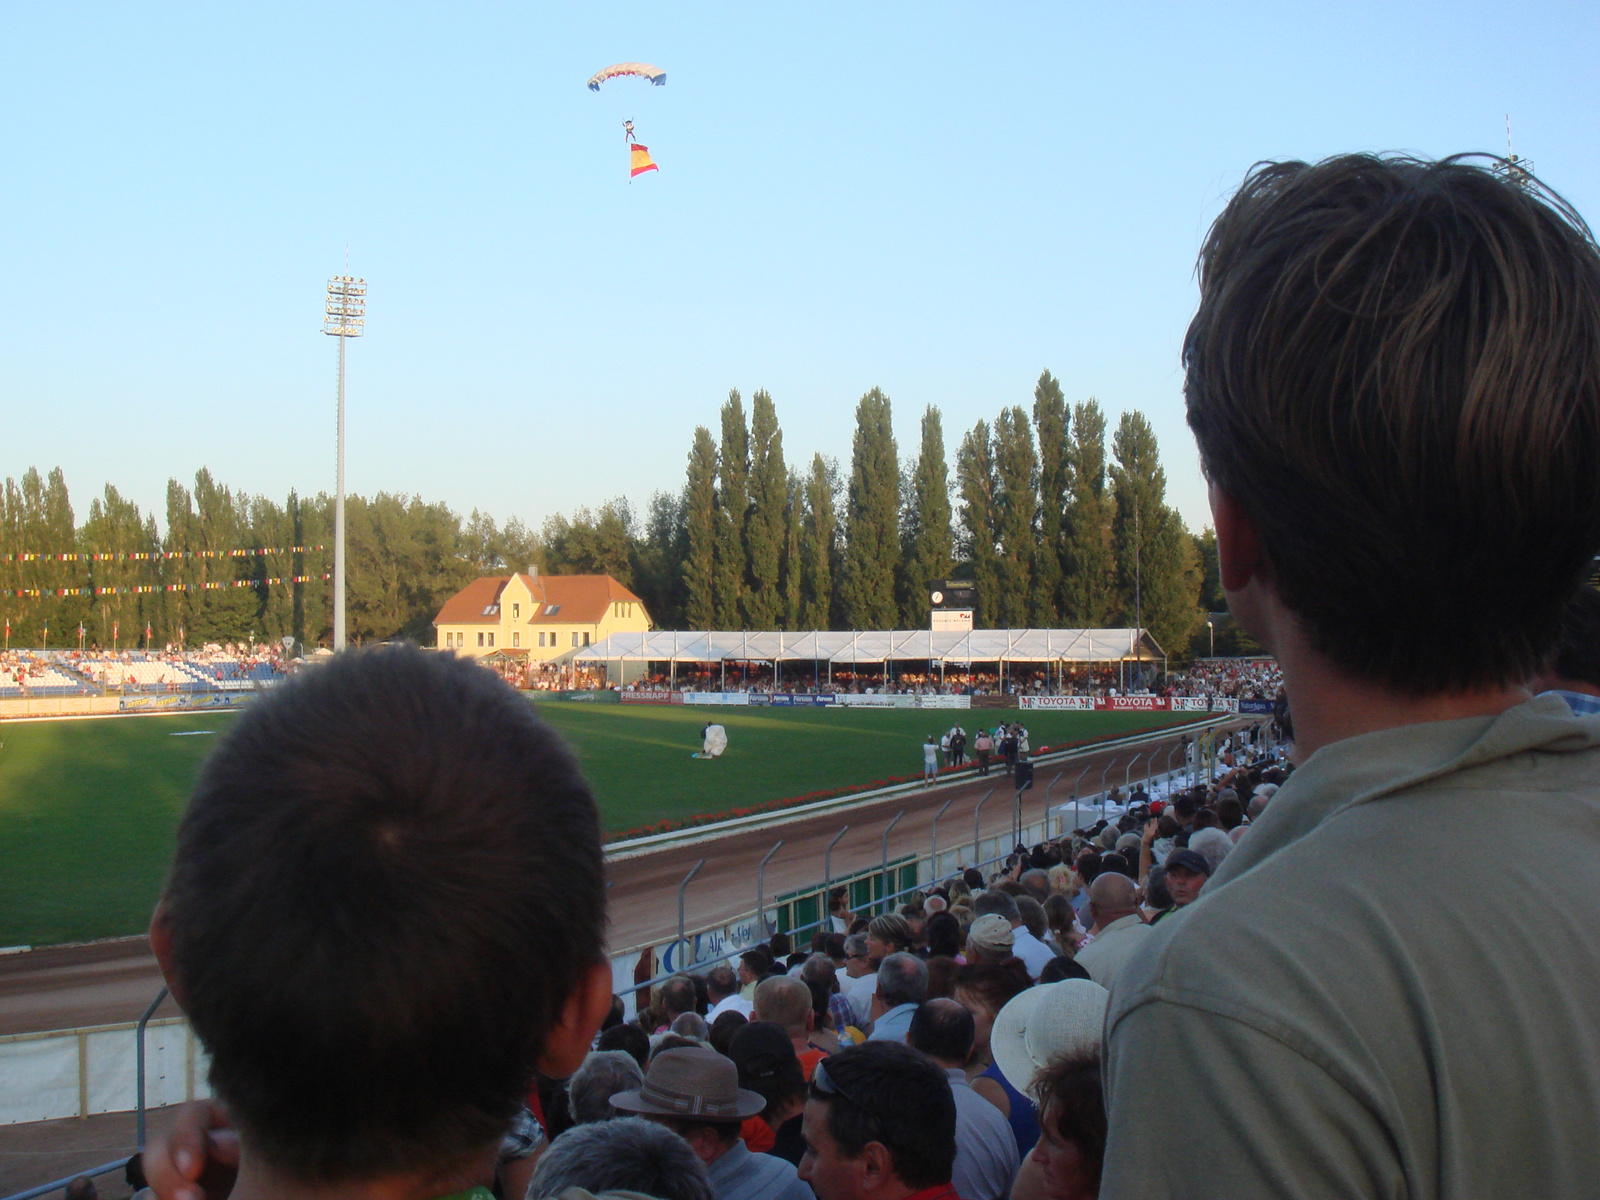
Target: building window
x,y
516,611
480,639
516,639
491,641
586,639
574,639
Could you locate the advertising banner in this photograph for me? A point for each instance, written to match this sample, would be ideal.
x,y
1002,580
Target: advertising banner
x,y
1204,704
937,701
652,697
1260,707
704,949
183,702
1132,703
879,700
1075,703
716,698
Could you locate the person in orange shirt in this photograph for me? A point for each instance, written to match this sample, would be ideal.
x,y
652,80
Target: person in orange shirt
x,y
786,1002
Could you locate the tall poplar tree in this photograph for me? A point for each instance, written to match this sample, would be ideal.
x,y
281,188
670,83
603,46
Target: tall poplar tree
x,y
1158,568
700,530
1015,470
872,518
1055,474
929,548
794,516
769,506
733,505
1087,580
819,543
976,484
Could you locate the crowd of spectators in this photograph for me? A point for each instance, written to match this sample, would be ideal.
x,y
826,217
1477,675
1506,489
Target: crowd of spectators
x,y
218,667
1019,679
999,982
1235,678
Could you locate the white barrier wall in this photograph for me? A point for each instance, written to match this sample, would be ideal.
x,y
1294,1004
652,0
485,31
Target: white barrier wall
x,y
79,1072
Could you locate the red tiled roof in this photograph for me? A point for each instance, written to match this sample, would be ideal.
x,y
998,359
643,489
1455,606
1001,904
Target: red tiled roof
x,y
466,606
579,600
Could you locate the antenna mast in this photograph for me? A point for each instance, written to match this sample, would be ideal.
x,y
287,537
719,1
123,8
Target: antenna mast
x,y
1514,170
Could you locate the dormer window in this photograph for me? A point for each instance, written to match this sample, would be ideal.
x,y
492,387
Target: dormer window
x,y
490,610
551,610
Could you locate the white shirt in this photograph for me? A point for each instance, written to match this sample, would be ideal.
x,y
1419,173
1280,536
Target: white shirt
x,y
1033,953
860,991
734,1003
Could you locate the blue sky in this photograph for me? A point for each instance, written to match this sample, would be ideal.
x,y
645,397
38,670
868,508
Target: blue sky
x,y
938,200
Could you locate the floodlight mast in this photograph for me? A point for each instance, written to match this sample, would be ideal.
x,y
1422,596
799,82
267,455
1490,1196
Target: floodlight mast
x,y
346,313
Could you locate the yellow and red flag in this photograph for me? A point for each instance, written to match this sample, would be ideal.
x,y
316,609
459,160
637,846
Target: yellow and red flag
x,y
641,160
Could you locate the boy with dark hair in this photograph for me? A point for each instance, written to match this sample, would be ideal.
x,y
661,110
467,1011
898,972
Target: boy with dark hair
x,y
1413,348
385,914
880,1122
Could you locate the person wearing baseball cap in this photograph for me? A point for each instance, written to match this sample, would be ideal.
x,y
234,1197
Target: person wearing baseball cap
x,y
1186,872
990,939
695,1092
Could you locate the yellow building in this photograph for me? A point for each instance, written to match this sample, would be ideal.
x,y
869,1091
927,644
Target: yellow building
x,y
544,617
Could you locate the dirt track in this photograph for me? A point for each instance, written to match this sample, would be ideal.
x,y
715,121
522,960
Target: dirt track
x,y
102,983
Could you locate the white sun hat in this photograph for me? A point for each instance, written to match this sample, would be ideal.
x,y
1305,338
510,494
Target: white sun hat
x,y
1044,1023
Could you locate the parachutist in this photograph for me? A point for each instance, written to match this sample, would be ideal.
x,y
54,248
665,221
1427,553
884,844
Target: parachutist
x,y
627,132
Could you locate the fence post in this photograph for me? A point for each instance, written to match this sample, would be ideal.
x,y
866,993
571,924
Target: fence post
x,y
827,878
1103,773
1075,784
977,839
1150,768
933,850
761,891
1173,750
1047,788
887,830
139,1062
683,887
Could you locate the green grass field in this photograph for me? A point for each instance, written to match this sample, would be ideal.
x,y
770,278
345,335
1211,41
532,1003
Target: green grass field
x,y
88,808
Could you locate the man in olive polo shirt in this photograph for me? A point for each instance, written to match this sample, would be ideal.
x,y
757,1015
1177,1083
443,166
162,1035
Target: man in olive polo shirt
x,y
1394,380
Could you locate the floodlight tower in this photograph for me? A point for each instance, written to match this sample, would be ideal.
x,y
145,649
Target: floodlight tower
x,y
346,314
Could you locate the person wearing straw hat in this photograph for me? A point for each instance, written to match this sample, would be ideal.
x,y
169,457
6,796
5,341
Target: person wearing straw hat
x,y
1044,1023
695,1092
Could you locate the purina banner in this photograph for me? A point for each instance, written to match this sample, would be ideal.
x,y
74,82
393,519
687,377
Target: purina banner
x,y
1075,703
1132,703
716,697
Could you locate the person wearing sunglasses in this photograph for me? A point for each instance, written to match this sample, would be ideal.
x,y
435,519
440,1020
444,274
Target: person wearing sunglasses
x,y
879,1122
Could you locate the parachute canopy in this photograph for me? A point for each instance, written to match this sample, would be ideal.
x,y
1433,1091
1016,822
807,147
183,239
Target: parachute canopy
x,y
644,70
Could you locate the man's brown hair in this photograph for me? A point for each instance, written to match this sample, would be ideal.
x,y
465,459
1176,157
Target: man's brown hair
x,y
386,887
1395,370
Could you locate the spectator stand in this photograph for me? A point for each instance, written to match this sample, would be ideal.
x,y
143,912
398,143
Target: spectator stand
x,y
1042,661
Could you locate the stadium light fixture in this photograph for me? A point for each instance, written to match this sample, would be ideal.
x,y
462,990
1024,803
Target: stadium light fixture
x,y
345,316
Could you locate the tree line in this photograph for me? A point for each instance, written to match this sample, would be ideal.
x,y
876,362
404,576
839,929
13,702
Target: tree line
x,y
1054,527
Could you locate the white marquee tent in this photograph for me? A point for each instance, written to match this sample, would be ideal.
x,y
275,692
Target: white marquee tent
x,y
974,646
